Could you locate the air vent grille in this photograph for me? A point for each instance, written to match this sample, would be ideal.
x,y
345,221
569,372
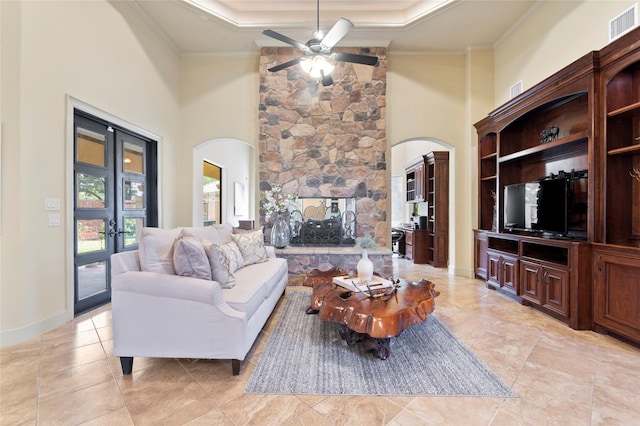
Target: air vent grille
x,y
516,89
623,23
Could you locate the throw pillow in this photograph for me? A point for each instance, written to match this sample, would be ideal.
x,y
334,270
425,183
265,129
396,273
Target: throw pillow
x,y
232,254
220,265
190,258
251,245
156,250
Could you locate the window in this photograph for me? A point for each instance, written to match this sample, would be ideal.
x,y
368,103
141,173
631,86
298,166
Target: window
x,y
211,184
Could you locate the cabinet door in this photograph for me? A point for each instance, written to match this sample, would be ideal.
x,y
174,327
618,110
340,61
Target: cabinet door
x,y
617,293
531,276
494,266
510,274
480,257
556,290
408,243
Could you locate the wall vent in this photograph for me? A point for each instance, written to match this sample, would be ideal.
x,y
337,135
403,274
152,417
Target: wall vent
x,y
516,89
623,23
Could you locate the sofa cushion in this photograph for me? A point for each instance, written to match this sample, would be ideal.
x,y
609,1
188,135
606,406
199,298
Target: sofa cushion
x,y
190,258
254,283
220,268
156,250
270,272
251,245
246,297
156,244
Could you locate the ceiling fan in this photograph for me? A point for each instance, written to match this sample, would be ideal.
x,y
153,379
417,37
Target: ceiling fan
x,y
317,50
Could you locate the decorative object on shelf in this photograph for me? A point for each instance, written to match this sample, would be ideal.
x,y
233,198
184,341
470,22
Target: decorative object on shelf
x,y
275,201
280,231
635,173
365,266
494,223
549,135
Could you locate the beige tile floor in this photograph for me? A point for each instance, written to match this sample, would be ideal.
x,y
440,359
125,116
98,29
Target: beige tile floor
x,y
562,377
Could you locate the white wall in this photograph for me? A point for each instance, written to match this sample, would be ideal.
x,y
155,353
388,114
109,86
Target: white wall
x,y
98,52
554,34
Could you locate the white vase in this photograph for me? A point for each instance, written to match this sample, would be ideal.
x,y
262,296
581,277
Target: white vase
x,y
364,267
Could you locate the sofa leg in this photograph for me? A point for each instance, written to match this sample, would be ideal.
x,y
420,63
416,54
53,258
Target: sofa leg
x,y
235,366
127,364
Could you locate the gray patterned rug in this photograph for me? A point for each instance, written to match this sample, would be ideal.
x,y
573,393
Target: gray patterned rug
x,y
305,355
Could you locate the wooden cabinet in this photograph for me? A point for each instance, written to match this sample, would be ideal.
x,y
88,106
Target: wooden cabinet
x,y
428,182
545,286
617,290
480,254
502,271
551,275
415,176
416,245
437,197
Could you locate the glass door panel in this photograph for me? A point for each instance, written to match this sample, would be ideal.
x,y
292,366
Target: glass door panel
x,y
92,279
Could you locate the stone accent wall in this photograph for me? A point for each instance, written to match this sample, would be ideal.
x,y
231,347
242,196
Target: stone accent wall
x,y
326,141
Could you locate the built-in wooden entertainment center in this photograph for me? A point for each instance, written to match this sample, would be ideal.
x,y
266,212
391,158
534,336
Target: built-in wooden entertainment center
x,y
581,126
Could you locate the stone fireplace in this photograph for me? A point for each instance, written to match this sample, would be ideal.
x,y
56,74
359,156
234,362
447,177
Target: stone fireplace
x,y
326,142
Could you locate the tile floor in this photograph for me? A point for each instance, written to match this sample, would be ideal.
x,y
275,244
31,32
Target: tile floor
x,y
562,377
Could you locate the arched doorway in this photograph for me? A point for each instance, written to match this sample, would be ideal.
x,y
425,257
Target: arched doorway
x,y
405,151
235,158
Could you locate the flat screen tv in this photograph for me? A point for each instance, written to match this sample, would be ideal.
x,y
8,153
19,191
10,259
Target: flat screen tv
x,y
539,206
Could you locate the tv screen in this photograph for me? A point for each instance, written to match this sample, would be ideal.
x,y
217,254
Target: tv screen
x,y
552,206
536,206
521,206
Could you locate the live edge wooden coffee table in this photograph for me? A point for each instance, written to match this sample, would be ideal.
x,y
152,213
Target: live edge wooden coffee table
x,y
372,321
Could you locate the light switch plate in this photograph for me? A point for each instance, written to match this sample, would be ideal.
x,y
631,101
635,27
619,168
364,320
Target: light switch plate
x,y
54,219
52,204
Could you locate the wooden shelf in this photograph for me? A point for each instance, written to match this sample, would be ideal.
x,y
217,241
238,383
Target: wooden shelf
x,y
487,157
632,149
562,142
629,108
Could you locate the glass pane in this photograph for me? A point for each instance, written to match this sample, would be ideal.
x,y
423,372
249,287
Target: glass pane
x,y
91,191
92,279
133,158
132,228
90,235
133,195
210,201
90,147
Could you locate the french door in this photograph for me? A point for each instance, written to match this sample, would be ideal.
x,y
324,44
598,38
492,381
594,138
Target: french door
x,y
115,195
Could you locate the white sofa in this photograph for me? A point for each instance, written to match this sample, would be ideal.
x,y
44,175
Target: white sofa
x,y
157,313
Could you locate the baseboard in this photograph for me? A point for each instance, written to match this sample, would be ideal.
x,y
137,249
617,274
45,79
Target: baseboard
x,y
31,331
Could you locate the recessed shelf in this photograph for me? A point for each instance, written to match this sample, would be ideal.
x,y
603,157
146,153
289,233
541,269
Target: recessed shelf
x,y
560,143
628,108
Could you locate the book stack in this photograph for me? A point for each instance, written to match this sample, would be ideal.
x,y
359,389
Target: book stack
x,y
352,283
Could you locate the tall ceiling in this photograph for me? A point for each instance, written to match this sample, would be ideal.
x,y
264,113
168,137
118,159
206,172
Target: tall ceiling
x,y
210,27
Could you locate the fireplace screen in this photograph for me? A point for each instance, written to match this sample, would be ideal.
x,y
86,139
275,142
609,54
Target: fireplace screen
x,y
324,222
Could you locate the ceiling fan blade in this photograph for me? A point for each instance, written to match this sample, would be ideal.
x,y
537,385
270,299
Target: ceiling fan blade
x,y
335,34
357,59
285,65
285,39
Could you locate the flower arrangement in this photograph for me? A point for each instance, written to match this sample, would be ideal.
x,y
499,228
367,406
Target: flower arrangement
x,y
274,200
366,242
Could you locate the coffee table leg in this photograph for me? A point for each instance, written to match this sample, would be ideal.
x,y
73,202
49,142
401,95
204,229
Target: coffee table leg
x,y
381,348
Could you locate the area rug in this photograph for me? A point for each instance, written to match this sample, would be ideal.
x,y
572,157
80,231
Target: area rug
x,y
305,355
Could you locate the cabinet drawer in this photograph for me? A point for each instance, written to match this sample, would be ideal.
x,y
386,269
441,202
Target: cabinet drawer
x,y
408,237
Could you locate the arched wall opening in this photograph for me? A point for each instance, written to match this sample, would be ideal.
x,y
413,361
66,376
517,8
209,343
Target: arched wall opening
x,y
401,153
237,193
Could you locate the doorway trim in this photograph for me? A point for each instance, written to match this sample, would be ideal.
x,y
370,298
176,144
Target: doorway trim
x,y
72,105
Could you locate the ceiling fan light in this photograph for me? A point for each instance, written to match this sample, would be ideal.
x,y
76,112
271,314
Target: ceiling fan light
x,y
317,66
